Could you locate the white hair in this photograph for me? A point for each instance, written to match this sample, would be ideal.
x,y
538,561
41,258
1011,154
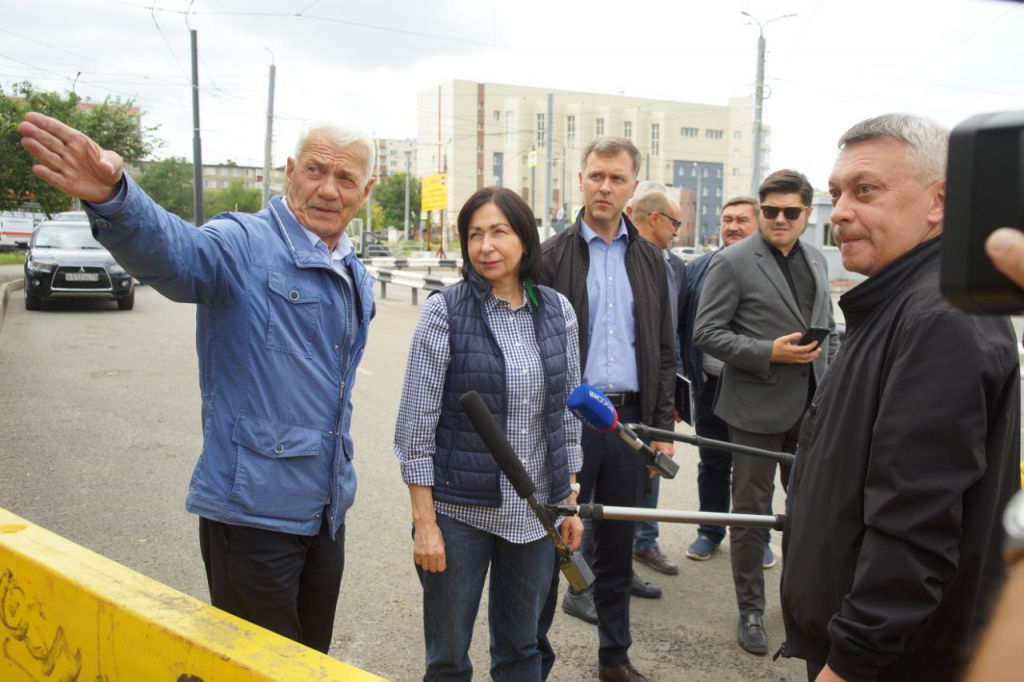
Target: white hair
x,y
341,136
927,141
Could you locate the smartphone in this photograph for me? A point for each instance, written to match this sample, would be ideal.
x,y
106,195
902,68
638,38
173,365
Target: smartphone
x,y
813,334
984,191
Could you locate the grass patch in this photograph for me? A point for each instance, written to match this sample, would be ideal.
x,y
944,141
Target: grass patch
x,y
12,257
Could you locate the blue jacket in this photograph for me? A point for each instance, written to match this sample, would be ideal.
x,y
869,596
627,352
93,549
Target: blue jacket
x,y
277,350
464,471
693,357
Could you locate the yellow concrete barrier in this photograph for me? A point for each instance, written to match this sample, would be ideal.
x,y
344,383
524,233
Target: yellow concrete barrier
x,y
67,613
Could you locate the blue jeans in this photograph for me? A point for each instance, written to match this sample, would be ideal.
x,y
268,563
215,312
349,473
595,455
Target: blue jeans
x,y
520,577
647,531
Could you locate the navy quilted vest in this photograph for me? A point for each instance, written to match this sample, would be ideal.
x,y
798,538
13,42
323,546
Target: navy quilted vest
x,y
464,471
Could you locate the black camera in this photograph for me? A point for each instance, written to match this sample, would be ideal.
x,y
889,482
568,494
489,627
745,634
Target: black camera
x,y
984,191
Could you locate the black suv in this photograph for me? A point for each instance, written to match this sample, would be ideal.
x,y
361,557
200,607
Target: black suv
x,y
65,261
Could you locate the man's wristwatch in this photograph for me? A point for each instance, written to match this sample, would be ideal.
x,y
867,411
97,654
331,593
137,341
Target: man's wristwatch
x,y
1013,524
575,487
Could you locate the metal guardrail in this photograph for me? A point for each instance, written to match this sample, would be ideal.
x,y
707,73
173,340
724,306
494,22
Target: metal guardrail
x,y
399,272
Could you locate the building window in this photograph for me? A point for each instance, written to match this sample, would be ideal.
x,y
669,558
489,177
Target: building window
x,y
509,133
570,131
627,130
656,139
693,170
599,127
479,105
540,130
828,239
714,134
704,171
737,134
735,172
479,170
704,190
689,132
479,148
497,115
704,208
479,126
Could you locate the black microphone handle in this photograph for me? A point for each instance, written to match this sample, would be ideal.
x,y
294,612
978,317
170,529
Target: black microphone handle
x,y
487,426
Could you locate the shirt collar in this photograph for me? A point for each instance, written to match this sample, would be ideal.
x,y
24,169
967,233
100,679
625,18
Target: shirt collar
x,y
341,250
589,235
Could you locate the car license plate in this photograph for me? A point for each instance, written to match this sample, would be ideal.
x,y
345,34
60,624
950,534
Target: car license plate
x,y
82,276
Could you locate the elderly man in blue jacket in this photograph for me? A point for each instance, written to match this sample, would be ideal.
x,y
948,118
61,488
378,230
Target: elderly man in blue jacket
x,y
283,307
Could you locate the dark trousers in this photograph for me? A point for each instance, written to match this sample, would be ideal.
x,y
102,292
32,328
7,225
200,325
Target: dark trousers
x,y
285,583
714,472
752,485
612,474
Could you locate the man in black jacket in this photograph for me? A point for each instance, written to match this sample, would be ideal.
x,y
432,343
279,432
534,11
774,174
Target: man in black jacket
x,y
617,283
909,451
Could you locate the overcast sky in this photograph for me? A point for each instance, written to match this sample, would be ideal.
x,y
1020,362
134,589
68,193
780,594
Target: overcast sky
x,y
363,61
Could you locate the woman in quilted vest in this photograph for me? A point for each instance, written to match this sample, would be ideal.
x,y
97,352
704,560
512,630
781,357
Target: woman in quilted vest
x,y
517,345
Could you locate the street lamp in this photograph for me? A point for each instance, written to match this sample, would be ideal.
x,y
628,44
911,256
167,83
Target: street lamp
x,y
759,96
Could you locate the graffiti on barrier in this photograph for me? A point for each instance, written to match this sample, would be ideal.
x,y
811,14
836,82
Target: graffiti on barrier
x,y
26,630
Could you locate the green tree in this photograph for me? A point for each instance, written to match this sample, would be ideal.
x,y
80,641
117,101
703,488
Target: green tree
x,y
389,194
379,222
169,182
111,124
235,197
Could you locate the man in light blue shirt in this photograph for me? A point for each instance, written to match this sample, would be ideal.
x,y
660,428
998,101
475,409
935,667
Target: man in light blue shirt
x,y
617,284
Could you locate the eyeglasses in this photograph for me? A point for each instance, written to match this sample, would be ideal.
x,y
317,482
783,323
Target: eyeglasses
x,y
675,223
791,212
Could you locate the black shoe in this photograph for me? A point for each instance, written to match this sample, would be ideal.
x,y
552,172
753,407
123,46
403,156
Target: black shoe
x,y
580,606
642,588
751,634
653,556
620,672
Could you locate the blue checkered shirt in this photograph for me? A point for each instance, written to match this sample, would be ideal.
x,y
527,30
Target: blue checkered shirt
x,y
525,392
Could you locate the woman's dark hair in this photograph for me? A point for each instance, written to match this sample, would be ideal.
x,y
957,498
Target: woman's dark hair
x,y
520,217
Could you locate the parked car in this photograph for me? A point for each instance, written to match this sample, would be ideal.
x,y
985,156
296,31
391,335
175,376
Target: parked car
x,y
65,261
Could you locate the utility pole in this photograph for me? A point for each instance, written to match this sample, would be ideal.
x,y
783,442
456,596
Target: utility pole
x,y
546,222
197,145
408,162
755,181
696,209
270,134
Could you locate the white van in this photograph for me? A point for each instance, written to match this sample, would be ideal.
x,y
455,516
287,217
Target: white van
x,y
15,232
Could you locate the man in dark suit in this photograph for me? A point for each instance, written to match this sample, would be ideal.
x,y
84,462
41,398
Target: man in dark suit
x,y
760,297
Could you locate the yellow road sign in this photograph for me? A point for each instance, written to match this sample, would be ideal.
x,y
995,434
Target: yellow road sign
x,y
532,159
434,193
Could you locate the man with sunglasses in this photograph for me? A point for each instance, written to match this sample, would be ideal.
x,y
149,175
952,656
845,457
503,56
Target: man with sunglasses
x,y
760,297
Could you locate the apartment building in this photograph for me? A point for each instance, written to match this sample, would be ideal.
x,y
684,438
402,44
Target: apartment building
x,y
391,156
221,175
496,134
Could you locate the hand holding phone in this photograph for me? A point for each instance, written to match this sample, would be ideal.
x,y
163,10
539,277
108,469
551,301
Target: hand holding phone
x,y
814,334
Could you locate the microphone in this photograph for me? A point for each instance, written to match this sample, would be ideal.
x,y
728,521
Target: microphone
x,y
573,566
595,410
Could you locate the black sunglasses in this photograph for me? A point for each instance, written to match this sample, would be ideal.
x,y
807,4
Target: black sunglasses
x,y
791,212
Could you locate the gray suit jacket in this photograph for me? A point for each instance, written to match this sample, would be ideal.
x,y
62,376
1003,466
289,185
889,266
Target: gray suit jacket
x,y
745,305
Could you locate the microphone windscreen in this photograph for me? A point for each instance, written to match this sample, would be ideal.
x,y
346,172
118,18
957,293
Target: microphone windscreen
x,y
592,408
487,426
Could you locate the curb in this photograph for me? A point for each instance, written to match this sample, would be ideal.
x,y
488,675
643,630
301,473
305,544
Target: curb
x,y
5,293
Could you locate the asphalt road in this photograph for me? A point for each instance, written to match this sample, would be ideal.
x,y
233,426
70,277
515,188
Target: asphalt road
x,y
101,430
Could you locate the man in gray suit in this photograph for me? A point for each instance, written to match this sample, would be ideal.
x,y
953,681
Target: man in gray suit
x,y
760,298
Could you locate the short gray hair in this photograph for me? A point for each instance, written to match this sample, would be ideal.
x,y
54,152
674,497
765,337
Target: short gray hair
x,y
651,201
611,146
927,141
341,136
